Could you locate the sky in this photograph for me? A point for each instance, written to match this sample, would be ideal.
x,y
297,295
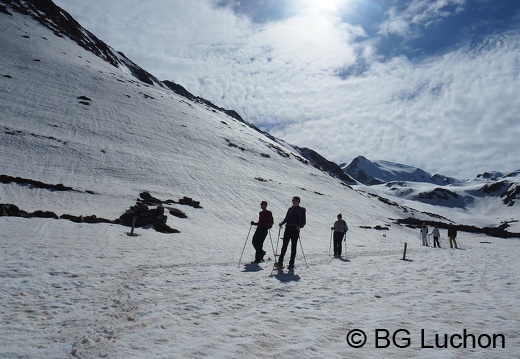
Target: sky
x,y
427,83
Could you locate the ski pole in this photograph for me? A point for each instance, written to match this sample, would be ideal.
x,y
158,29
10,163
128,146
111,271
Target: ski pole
x,y
345,239
272,246
330,246
299,240
244,245
275,254
277,240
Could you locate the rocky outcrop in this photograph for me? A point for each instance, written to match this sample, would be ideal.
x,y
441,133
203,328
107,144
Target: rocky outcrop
x,y
148,211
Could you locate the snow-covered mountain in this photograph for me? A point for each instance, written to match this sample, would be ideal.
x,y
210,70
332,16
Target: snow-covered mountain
x,y
378,172
487,190
505,190
88,138
83,137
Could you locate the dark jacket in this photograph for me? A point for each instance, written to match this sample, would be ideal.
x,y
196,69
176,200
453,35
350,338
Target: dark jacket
x,y
452,232
340,226
295,217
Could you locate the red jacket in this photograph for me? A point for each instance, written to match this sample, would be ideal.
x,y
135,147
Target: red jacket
x,y
265,219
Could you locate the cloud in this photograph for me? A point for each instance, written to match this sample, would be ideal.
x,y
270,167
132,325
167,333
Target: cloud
x,y
452,114
418,14
317,81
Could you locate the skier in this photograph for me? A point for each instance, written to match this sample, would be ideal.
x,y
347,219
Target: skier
x,y
452,234
295,220
265,222
424,235
436,235
340,229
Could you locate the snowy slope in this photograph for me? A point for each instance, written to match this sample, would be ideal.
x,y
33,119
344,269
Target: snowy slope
x,y
78,290
132,137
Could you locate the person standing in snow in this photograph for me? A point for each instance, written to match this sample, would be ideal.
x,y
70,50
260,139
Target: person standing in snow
x,y
436,235
340,230
295,220
424,235
265,222
452,234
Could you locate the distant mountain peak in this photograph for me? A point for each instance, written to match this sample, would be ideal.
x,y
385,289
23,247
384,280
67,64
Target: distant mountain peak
x,y
492,175
378,172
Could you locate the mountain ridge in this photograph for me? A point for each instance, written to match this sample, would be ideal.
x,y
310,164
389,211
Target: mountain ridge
x,y
63,24
379,171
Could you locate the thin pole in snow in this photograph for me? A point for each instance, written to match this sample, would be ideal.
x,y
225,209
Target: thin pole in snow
x,y
299,240
132,234
330,246
244,245
272,245
345,240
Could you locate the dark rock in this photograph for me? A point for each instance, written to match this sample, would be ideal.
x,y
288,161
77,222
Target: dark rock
x,y
149,200
11,210
189,202
177,213
45,214
145,216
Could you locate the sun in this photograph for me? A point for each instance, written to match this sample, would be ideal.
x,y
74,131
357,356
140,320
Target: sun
x,y
325,5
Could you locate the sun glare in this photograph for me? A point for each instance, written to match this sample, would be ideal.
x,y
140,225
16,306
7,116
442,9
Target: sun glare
x,y
325,5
